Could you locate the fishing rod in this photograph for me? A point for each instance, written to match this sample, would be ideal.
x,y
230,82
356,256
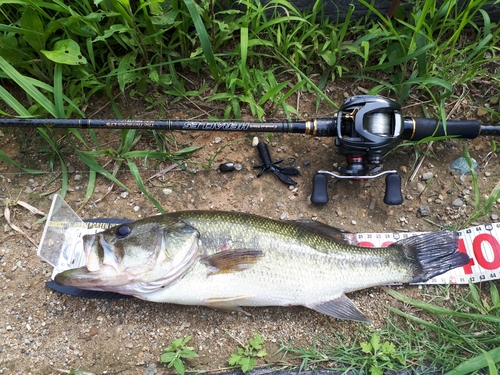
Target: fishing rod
x,y
366,127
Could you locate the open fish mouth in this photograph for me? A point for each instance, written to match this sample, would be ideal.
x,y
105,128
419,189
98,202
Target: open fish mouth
x,y
100,254
92,255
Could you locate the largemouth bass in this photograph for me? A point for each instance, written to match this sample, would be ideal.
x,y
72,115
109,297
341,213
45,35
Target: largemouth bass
x,y
227,260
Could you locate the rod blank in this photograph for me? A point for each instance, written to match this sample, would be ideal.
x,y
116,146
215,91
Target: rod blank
x,y
313,127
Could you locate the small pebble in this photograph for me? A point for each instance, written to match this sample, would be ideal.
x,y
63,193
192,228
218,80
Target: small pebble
x,y
124,194
481,112
427,176
77,177
136,208
494,217
306,163
255,141
217,140
424,210
353,222
460,165
167,191
238,167
151,370
457,202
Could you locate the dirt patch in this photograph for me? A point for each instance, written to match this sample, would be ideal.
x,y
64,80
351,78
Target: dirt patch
x,y
43,331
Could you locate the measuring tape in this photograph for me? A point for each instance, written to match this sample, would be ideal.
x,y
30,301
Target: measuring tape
x,y
481,243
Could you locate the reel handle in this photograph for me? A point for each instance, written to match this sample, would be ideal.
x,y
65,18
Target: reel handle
x,y
393,195
319,193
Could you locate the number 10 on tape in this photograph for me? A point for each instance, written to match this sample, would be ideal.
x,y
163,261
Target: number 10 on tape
x,y
481,243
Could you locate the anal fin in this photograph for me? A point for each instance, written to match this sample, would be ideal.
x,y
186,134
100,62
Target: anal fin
x,y
341,308
226,303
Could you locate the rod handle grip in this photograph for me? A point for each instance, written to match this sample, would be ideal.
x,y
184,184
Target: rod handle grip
x,y
417,128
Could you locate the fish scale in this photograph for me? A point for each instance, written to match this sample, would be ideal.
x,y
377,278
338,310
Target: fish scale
x,y
228,260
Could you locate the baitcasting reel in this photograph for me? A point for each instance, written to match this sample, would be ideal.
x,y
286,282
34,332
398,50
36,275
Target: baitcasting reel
x,y
369,126
366,128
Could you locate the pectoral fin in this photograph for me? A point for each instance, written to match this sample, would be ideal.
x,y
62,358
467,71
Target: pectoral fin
x,y
341,308
231,260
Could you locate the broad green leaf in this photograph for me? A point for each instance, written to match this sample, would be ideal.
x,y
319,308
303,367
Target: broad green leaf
x,y
66,51
256,341
247,363
33,29
188,353
113,29
376,370
234,359
375,341
168,357
165,19
179,366
366,347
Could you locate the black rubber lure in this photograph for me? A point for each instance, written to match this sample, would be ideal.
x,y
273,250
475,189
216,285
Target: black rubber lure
x,y
268,165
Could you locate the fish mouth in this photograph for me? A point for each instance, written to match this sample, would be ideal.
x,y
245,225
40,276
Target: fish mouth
x,y
93,260
100,254
101,264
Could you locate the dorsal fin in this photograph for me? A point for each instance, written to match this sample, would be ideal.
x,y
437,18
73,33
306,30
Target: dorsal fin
x,y
335,234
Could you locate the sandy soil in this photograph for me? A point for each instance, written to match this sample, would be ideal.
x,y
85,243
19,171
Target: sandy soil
x,y
42,331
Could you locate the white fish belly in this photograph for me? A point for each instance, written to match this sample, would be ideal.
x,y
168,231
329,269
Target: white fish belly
x,y
296,276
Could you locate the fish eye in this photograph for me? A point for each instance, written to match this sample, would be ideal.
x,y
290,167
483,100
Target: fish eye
x,y
122,231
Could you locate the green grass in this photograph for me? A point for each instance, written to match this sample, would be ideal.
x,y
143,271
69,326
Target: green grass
x,y
251,55
452,332
176,353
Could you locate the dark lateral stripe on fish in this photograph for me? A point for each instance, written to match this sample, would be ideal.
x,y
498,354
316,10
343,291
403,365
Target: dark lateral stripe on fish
x,y
434,254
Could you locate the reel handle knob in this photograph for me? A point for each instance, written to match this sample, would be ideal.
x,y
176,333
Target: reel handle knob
x,y
319,193
393,195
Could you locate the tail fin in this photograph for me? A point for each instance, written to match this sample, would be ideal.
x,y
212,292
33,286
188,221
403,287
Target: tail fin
x,y
433,254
